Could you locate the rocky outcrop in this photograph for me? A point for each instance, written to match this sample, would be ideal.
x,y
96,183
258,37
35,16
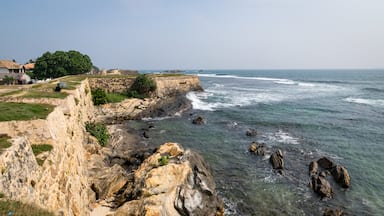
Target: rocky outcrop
x,y
183,186
257,148
319,170
321,186
277,160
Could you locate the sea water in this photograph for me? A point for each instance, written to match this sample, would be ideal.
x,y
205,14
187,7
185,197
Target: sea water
x,y
307,114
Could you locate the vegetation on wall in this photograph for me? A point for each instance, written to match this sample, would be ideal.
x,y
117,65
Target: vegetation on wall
x,y
99,96
60,63
4,142
38,149
99,131
142,87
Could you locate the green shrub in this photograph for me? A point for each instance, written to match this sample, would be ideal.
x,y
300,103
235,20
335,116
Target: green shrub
x,y
163,160
99,96
115,97
142,87
99,131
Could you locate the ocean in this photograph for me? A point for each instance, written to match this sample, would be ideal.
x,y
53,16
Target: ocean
x,y
307,114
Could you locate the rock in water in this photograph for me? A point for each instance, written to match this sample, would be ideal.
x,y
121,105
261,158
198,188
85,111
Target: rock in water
x,y
256,148
313,168
277,160
341,176
326,163
251,132
183,186
199,120
321,186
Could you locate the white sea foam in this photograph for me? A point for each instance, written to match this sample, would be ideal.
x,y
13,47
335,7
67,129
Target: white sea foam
x,y
371,102
242,77
283,137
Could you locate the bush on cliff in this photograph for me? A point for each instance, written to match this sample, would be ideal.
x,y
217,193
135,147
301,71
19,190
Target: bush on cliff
x,y
99,131
142,87
99,96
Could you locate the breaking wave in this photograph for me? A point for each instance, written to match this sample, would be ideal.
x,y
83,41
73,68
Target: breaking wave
x,y
371,102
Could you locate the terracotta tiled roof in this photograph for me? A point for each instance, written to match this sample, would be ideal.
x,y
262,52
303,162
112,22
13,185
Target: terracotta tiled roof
x,y
9,64
29,66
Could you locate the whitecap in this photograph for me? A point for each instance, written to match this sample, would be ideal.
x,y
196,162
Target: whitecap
x,y
286,82
283,137
371,102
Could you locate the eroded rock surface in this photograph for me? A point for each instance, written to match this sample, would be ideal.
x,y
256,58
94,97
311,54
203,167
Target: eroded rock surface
x,y
184,186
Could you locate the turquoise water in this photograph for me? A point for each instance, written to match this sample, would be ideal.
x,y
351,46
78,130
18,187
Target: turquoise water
x,y
307,114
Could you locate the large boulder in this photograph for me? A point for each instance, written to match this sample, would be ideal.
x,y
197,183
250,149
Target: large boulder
x,y
341,176
277,160
321,186
326,163
183,185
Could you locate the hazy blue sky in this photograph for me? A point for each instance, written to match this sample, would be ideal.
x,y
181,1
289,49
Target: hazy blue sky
x,y
207,34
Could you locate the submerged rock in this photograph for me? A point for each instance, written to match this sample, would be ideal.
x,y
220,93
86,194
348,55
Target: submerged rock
x,y
199,120
251,132
277,160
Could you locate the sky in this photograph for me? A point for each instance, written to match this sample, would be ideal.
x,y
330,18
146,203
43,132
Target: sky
x,y
198,34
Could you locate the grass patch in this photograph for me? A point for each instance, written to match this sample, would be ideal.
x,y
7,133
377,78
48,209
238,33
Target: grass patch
x,y
23,111
116,97
4,142
38,149
15,208
99,131
44,94
163,160
11,93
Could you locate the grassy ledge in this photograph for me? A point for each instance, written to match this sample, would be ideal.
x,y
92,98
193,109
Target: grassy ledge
x,y
40,148
23,111
44,94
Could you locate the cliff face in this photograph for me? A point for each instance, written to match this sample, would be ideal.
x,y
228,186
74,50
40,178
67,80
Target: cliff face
x,y
60,184
74,173
166,85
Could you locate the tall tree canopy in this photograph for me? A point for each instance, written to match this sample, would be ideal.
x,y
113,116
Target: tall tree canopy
x,y
60,63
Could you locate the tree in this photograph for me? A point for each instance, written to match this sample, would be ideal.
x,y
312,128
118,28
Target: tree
x,y
60,63
8,80
142,87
